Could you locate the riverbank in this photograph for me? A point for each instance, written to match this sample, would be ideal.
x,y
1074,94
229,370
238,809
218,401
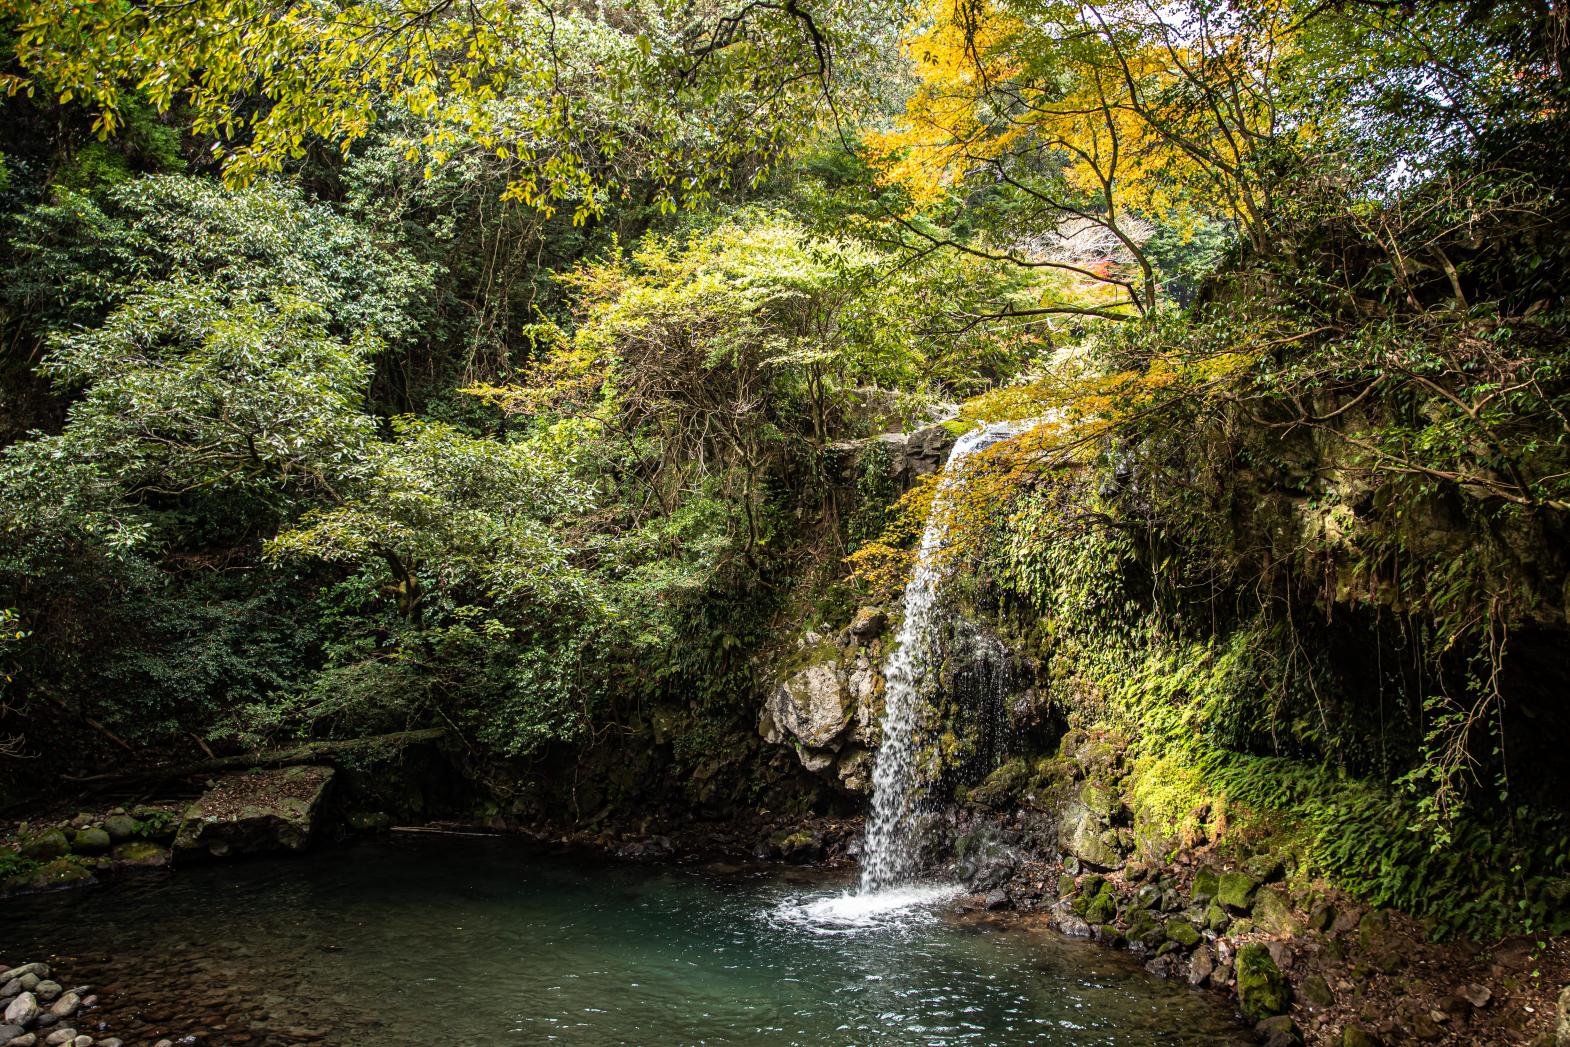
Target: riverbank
x,y
417,938
1306,965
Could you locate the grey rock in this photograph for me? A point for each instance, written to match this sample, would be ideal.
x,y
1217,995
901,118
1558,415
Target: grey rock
x,y
1477,995
66,1005
1200,965
1279,1031
10,1032
29,982
27,1039
60,1036
814,706
1273,913
998,899
11,988
1316,992
46,1019
255,813
47,990
870,622
120,827
82,1040
22,1010
113,1041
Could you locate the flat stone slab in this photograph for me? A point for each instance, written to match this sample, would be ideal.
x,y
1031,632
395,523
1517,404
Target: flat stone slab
x,y
258,812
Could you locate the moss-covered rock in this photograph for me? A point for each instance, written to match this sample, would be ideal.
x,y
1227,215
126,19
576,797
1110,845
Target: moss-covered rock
x,y
1273,913
1266,868
799,846
1084,834
1357,1036
46,846
1100,798
255,813
1235,890
120,827
56,875
1279,1031
1262,990
1205,884
1183,933
91,840
139,854
1002,787
1097,901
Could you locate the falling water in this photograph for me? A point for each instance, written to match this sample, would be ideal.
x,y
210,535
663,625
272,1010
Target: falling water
x,y
888,855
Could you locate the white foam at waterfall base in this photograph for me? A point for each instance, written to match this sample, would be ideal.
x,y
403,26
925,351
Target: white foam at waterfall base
x,y
888,854
855,911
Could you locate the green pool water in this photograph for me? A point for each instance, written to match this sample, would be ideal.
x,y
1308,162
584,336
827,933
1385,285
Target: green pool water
x,y
420,940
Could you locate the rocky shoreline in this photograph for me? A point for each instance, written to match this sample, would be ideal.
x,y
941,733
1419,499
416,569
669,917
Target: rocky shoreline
x,y
1305,965
35,1009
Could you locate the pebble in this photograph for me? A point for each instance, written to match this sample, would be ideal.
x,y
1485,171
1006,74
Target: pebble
x,y
66,1005
48,990
22,1010
27,1039
60,1036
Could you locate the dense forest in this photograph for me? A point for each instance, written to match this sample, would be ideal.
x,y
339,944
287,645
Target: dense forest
x,y
547,375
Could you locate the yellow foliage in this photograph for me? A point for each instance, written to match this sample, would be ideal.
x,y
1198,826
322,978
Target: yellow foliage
x,y
1118,93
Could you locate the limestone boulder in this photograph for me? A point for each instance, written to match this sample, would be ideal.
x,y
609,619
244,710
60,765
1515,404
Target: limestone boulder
x,y
812,706
258,812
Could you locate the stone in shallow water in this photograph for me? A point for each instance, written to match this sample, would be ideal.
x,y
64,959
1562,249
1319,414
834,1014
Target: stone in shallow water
x,y
139,854
255,813
22,1010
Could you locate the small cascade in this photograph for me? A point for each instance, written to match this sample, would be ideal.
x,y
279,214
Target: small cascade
x,y
888,855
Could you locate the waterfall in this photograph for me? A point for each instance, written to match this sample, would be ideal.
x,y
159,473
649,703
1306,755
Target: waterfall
x,y
888,854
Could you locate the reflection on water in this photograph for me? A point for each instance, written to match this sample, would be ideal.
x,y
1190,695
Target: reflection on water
x,y
466,941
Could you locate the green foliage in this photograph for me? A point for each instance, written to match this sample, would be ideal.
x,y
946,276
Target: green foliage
x,y
1210,712
72,257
